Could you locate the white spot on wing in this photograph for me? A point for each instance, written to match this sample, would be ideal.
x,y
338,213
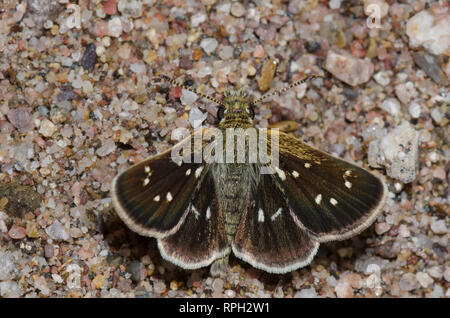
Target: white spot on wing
x,y
307,165
276,214
318,198
198,171
156,199
295,174
281,173
169,196
348,173
188,172
348,184
260,215
195,212
333,201
146,181
147,169
208,213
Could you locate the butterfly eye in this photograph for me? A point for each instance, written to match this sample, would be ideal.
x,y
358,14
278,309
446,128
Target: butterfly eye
x,y
251,112
220,113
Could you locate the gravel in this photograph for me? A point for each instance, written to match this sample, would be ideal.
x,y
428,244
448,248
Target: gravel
x,y
78,104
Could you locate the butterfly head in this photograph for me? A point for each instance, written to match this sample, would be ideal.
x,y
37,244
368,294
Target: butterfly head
x,y
235,108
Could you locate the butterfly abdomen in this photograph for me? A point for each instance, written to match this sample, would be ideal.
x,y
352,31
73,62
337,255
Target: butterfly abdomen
x,y
232,182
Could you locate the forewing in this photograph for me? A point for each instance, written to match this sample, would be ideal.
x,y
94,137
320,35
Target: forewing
x,y
329,197
201,239
267,237
153,196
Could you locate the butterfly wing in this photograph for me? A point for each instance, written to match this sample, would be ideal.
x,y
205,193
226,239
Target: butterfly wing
x,y
329,197
201,238
267,237
153,197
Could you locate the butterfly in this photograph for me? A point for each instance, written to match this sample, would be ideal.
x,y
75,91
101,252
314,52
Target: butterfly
x,y
201,208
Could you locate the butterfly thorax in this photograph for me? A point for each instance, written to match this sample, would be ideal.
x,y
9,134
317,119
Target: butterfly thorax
x,y
237,110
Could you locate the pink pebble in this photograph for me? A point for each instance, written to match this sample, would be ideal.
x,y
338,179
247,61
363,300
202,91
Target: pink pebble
x,y
110,7
258,52
17,232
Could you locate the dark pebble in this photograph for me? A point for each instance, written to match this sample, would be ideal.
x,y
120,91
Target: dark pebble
x,y
68,94
185,63
89,58
432,66
134,268
312,46
49,251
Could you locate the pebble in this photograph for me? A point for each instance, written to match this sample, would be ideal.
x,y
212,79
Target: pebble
x,y
382,227
347,68
398,151
209,45
131,8
258,52
408,282
435,272
33,230
98,281
17,232
392,106
414,110
405,92
47,128
58,115
10,289
57,231
138,67
230,293
197,19
89,58
437,292
430,30
447,274
115,27
403,231
237,9
432,66
334,4
424,279
343,289
436,115
218,284
109,146
135,269
225,52
383,77
49,251
306,293
21,119
159,287
110,7
439,226
187,97
41,284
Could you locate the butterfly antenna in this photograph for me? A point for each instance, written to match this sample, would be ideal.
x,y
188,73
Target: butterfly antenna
x,y
283,90
175,83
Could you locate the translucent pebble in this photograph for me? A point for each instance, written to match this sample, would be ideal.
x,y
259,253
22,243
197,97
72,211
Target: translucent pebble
x,y
209,45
